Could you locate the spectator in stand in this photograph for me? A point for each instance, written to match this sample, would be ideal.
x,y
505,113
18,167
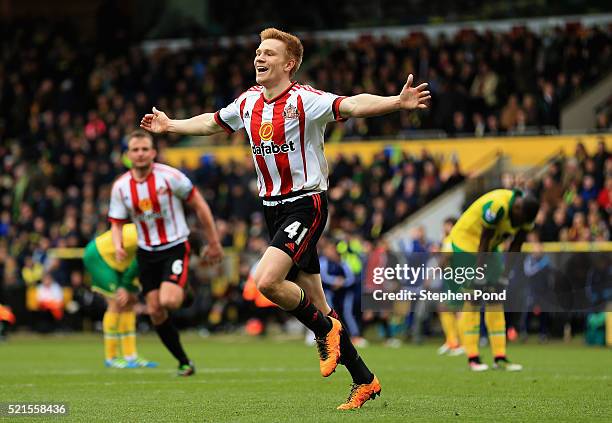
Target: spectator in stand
x,y
510,112
589,191
50,297
460,127
552,226
601,157
604,199
549,106
493,128
530,109
552,192
479,125
484,88
597,227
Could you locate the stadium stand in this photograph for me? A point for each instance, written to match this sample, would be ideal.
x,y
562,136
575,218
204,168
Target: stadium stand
x,y
575,197
485,83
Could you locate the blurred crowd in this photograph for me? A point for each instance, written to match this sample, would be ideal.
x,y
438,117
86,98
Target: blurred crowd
x,y
483,83
576,196
59,91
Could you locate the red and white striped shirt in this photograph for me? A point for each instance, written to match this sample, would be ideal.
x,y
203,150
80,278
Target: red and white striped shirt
x,y
286,135
155,205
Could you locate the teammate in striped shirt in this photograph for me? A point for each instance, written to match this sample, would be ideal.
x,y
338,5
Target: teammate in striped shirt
x,y
285,122
151,195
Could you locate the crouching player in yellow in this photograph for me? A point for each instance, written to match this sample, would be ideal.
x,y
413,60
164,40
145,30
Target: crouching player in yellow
x,y
116,281
491,220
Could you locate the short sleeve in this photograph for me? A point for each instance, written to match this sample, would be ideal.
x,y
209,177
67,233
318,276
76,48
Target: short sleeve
x,y
229,117
181,186
492,213
117,211
322,106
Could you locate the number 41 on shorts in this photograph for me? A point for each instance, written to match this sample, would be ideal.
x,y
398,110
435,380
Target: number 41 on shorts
x,y
293,229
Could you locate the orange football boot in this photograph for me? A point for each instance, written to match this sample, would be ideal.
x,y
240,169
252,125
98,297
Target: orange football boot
x,y
329,349
360,394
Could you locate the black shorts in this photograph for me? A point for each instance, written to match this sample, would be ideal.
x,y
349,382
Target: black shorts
x,y
171,265
295,227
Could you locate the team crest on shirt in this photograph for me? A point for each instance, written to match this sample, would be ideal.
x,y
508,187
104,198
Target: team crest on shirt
x,y
162,190
145,205
266,131
291,112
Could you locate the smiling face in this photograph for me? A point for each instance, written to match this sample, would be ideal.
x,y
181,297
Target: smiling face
x,y
272,64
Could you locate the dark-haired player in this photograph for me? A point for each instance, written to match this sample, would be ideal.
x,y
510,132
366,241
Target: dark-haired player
x,y
490,220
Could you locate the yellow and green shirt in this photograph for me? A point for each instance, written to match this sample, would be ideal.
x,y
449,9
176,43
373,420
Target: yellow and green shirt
x,y
491,211
104,245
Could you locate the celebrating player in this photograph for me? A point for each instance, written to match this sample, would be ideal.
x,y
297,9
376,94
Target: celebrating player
x,y
285,122
488,222
116,281
152,196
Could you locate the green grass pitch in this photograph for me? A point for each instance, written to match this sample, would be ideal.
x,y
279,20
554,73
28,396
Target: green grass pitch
x,y
265,380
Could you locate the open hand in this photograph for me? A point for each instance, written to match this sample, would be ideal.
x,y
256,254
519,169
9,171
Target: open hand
x,y
414,97
156,122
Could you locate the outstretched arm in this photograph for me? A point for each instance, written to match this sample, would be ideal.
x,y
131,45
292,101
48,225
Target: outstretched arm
x,y
366,105
159,122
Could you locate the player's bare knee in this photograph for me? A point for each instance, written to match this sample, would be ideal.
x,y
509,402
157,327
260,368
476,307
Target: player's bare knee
x,y
170,302
267,284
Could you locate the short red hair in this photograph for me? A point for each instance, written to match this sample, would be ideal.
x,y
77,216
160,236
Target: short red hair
x,y
295,49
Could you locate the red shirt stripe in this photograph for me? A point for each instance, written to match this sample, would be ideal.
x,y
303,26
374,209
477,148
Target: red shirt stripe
x,y
256,118
282,159
137,210
300,106
171,206
159,222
